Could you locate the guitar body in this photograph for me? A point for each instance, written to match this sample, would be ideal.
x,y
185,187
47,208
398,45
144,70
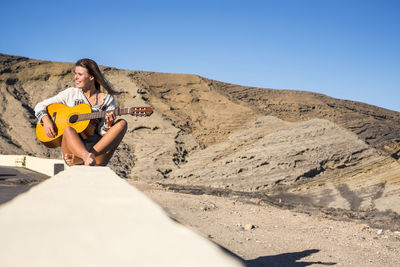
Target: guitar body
x,y
61,114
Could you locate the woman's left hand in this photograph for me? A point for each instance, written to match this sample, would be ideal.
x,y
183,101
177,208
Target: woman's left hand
x,y
110,118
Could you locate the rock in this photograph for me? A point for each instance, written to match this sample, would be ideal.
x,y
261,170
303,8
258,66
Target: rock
x,y
296,153
209,206
249,226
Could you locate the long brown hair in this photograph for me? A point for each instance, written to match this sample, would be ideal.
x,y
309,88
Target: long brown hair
x,y
99,79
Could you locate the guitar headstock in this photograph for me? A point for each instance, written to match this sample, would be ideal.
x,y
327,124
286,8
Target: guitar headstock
x,y
140,111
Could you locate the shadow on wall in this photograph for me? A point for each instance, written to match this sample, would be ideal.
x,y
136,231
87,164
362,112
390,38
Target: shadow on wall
x,y
286,259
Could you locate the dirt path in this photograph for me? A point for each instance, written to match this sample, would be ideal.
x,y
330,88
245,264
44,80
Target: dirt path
x,y
263,235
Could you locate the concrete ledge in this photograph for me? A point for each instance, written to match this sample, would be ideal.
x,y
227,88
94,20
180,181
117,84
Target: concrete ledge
x,y
49,167
88,216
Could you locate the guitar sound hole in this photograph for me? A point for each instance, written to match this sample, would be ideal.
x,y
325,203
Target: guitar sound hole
x,y
73,119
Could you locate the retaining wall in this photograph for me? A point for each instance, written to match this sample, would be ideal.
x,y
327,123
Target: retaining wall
x,y
88,216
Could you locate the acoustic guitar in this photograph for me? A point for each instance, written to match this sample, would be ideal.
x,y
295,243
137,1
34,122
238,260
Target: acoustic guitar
x,y
79,117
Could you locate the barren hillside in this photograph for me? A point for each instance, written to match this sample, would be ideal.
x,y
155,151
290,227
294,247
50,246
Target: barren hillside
x,y
295,148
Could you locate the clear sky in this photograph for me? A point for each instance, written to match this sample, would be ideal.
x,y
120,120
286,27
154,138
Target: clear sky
x,y
348,49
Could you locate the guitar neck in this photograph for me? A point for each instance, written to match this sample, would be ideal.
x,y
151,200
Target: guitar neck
x,y
102,114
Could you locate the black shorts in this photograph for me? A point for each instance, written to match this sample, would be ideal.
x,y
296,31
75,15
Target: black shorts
x,y
91,141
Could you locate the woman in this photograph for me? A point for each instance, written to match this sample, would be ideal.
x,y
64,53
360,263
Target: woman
x,y
98,148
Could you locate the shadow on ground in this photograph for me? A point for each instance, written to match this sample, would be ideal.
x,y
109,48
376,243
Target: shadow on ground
x,y
281,260
286,259
17,180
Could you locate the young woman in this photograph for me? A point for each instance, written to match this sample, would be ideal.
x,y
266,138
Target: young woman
x,y
98,148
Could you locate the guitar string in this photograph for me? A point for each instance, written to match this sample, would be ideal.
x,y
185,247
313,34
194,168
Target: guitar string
x,y
140,112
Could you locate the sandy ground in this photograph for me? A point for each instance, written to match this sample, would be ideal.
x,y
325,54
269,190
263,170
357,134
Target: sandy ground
x,y
263,235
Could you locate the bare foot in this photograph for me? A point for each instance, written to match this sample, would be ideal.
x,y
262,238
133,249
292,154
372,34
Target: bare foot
x,y
89,159
69,159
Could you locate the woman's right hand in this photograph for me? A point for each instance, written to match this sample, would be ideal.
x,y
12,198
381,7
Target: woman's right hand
x,y
49,127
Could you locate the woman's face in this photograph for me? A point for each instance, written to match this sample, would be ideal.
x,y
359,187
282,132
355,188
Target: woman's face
x,y
82,78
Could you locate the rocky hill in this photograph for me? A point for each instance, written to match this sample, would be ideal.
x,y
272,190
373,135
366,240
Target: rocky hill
x,y
290,147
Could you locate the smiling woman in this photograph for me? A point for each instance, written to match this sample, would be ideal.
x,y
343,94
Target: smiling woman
x,y
96,146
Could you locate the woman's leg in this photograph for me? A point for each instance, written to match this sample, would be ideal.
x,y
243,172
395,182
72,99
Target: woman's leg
x,y
105,148
72,145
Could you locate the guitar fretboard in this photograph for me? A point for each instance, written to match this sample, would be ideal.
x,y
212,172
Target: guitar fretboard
x,y
102,114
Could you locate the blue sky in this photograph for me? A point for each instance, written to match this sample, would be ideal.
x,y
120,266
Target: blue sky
x,y
344,49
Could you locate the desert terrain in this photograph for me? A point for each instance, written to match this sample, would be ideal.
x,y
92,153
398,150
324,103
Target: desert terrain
x,y
276,177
